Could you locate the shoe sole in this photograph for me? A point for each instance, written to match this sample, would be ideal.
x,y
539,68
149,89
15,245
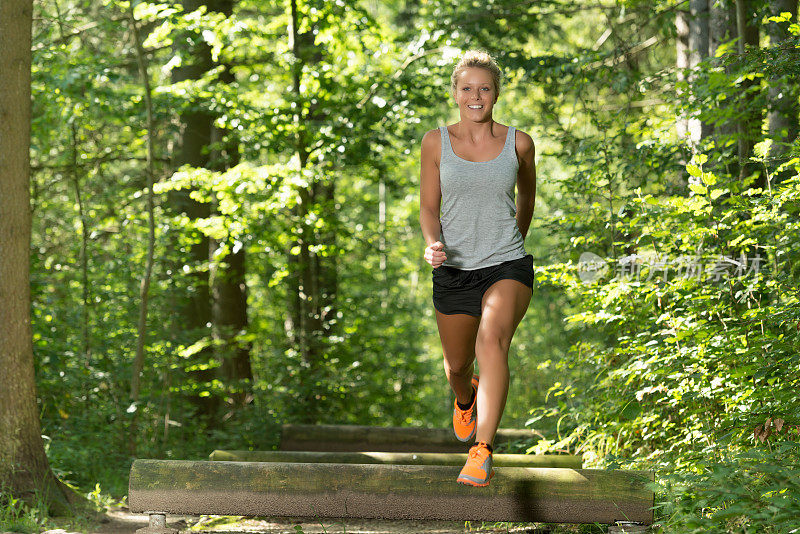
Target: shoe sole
x,y
468,482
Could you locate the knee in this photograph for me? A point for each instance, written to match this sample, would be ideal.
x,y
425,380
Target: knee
x,y
492,338
462,368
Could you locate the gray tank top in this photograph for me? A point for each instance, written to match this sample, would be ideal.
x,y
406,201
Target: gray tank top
x,y
478,211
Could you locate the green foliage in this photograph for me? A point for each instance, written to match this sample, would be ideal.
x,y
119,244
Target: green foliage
x,y
722,490
693,376
688,346
16,516
89,241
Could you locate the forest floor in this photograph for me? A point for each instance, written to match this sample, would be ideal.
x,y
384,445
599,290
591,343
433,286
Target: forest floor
x,y
122,521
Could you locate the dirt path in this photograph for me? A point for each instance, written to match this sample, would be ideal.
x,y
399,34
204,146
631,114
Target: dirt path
x,y
122,521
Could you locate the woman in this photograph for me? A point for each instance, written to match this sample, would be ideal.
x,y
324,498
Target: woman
x,y
482,276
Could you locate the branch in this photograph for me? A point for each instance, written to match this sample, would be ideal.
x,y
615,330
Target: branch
x,y
611,62
397,74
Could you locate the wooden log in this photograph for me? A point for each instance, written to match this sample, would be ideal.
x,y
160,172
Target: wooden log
x,y
357,438
378,491
401,458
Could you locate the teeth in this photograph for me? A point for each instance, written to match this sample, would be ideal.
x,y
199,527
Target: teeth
x,y
475,107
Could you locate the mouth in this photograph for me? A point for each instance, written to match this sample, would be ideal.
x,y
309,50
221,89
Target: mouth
x,y
475,106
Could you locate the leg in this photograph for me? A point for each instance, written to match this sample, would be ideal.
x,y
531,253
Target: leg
x,y
503,306
458,333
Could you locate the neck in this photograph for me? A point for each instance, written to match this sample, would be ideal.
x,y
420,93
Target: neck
x,y
476,130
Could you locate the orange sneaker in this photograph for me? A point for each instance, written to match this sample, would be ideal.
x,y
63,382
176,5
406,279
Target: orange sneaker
x,y
465,422
478,469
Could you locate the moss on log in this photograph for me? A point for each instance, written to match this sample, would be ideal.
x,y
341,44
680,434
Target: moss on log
x,y
356,438
401,458
553,495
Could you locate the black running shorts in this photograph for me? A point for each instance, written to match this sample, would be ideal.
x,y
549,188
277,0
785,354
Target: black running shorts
x,y
461,291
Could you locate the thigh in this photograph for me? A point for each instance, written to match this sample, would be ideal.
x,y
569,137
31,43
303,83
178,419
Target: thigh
x,y
503,306
458,332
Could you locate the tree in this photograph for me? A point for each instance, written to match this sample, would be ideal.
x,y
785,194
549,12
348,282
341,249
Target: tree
x,y
24,469
784,111
749,124
692,48
219,295
722,30
228,268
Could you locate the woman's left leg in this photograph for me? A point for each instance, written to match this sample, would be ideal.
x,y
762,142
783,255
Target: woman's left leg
x,y
502,308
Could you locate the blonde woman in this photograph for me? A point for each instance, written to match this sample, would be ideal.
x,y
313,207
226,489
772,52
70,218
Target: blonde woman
x,y
482,276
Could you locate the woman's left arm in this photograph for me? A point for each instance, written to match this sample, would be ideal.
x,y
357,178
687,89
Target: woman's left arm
x,y
526,181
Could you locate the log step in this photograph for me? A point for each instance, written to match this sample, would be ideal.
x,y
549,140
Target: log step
x,y
401,458
380,491
357,438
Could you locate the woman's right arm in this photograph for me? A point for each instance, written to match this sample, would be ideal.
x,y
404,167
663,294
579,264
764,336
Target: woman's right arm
x,y
430,197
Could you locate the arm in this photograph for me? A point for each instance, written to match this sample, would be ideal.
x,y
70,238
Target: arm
x,y
430,196
526,181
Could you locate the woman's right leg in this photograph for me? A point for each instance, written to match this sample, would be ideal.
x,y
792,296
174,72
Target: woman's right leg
x,y
458,333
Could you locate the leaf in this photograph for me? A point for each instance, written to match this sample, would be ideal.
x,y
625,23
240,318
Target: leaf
x,y
699,189
693,170
709,178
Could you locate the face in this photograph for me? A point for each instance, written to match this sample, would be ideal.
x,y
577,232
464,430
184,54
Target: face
x,y
475,94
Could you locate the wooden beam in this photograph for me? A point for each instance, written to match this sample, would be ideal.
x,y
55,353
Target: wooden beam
x,y
551,495
401,458
357,438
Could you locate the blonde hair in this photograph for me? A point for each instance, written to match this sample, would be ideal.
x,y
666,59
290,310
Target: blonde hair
x,y
480,59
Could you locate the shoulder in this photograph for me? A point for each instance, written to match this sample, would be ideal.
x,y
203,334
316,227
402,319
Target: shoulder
x,y
432,141
432,137
523,143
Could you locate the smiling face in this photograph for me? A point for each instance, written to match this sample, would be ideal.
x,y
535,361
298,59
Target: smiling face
x,y
475,94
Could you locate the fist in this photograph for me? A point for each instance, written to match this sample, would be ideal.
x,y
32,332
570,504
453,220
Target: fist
x,y
435,255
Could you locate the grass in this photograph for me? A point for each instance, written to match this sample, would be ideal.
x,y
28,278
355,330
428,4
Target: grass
x,y
21,517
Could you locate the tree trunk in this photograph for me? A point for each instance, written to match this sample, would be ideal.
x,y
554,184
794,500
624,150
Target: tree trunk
x,y
784,111
195,313
75,176
312,275
299,264
722,29
749,126
228,286
327,265
24,469
722,24
682,53
144,290
698,51
692,48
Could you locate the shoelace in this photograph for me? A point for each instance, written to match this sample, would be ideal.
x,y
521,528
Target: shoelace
x,y
474,451
466,415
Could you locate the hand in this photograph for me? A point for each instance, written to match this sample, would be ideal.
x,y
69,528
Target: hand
x,y
435,255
